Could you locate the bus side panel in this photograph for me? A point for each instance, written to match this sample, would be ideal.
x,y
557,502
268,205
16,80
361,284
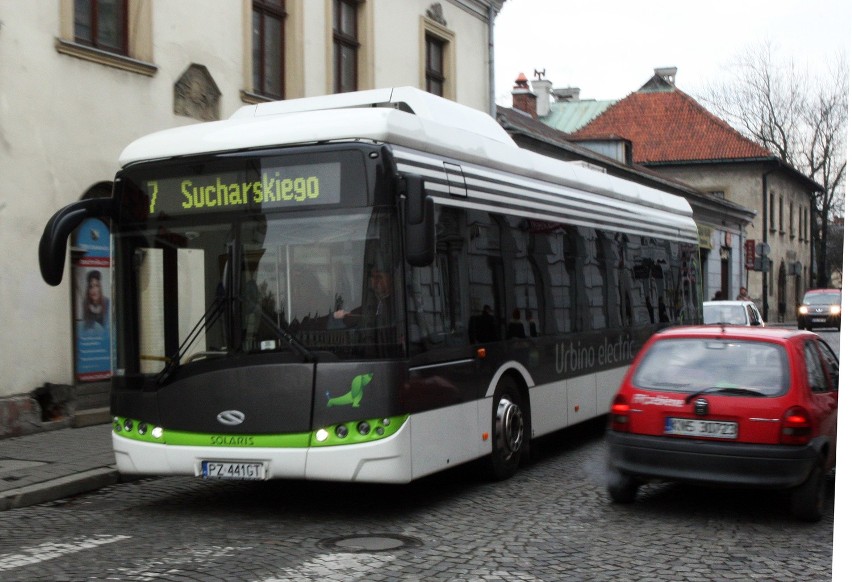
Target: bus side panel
x,y
582,400
549,407
444,438
608,383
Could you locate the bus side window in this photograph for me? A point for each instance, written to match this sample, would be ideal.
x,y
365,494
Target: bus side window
x,y
485,268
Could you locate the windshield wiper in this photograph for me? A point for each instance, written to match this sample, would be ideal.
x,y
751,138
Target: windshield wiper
x,y
723,390
214,311
250,299
289,338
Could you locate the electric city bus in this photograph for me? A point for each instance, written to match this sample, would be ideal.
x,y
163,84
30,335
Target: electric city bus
x,y
370,286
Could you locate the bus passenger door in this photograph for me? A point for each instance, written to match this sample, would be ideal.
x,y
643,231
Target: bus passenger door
x,y
439,316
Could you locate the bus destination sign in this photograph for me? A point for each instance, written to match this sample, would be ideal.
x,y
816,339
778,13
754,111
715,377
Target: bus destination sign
x,y
275,186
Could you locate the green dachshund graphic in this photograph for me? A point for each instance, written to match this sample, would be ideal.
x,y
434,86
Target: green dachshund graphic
x,y
355,393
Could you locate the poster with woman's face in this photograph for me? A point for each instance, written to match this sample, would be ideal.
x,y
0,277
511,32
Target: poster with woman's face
x,y
92,292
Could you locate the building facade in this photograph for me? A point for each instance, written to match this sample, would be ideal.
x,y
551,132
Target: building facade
x,y
83,78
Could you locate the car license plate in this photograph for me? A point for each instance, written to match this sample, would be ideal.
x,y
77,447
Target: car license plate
x,y
819,320
701,428
248,471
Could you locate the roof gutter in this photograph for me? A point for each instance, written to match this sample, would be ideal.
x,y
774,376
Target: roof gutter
x,y
779,163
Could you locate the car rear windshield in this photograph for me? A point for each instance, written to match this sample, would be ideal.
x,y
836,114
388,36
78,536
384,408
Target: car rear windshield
x,y
725,313
692,364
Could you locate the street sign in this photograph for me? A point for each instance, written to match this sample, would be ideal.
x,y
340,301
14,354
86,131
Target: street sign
x,y
761,264
749,254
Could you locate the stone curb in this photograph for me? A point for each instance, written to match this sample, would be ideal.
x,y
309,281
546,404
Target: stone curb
x,y
58,488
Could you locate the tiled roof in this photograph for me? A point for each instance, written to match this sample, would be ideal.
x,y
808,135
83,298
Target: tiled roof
x,y
670,126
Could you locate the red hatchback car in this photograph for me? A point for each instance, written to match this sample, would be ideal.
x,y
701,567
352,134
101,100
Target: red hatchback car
x,y
728,406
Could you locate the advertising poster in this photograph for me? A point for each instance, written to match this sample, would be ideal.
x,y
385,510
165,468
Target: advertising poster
x,y
92,292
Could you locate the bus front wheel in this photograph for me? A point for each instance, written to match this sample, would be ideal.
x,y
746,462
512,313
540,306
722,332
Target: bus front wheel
x,y
509,438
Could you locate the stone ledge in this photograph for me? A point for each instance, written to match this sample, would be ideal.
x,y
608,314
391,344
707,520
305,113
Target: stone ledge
x,y
50,407
19,415
91,417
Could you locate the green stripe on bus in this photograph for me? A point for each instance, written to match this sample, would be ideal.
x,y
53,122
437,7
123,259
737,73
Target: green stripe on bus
x,y
344,433
280,441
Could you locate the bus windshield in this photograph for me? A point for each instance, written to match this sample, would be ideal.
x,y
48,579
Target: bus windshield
x,y
273,282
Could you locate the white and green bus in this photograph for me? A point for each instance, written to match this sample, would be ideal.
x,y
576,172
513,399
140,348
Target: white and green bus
x,y
370,286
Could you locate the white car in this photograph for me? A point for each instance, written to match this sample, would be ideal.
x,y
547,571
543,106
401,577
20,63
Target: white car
x,y
732,313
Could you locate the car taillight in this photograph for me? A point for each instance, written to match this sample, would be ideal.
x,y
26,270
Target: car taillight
x,y
796,427
619,414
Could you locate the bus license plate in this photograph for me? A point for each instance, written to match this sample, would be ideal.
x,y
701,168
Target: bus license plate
x,y
701,428
233,470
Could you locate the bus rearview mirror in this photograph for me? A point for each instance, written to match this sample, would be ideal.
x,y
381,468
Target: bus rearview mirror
x,y
54,239
419,223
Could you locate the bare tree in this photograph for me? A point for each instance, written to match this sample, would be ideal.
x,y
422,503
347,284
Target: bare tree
x,y
799,117
834,248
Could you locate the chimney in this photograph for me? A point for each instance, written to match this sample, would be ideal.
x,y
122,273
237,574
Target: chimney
x,y
542,88
567,94
523,99
667,73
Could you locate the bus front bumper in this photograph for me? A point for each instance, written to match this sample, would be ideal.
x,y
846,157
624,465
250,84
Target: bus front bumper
x,y
384,461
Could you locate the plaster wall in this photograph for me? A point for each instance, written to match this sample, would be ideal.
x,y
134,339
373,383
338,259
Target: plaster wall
x,y
64,121
743,184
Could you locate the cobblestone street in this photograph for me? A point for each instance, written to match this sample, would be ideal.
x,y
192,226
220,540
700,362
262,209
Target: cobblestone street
x,y
552,521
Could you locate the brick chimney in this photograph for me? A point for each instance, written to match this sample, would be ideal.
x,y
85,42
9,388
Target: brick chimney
x,y
523,99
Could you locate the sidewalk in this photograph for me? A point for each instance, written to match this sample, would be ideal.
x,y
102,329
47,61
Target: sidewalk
x,y
50,465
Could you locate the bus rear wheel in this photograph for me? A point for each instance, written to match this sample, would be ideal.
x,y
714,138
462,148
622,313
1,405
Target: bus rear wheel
x,y
509,438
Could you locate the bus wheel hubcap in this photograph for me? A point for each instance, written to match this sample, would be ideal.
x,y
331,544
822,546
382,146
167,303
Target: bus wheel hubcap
x,y
509,427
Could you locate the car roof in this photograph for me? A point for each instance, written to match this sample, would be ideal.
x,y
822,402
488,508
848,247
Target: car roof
x,y
728,302
819,291
778,334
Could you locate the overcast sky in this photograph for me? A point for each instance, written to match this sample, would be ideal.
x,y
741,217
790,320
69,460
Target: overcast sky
x,y
610,48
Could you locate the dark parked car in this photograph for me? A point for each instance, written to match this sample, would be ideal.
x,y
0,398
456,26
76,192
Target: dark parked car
x,y
820,308
728,406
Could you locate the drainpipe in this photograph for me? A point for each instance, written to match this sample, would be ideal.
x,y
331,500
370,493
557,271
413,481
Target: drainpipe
x,y
765,278
813,276
492,104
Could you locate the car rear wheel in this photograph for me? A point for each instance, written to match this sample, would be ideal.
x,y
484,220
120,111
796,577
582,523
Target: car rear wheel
x,y
807,501
622,488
